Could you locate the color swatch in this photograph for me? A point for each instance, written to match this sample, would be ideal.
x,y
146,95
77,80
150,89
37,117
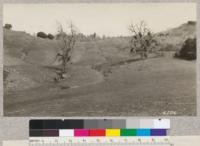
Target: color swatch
x,y
97,132
128,132
107,128
112,132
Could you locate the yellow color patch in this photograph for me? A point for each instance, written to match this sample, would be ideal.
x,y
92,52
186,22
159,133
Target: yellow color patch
x,y
112,132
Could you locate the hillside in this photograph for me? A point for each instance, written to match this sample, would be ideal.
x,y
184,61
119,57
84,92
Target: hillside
x,y
33,59
103,74
21,47
184,31
175,37
29,62
26,48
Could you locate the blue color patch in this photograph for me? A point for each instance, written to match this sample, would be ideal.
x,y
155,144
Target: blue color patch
x,y
143,132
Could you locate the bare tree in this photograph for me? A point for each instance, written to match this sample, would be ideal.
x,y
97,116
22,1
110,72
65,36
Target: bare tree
x,y
142,40
66,47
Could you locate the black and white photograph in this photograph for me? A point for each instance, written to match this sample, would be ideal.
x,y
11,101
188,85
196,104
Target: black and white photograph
x,y
99,59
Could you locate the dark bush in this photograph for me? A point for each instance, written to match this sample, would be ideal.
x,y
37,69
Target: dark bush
x,y
8,26
50,36
188,50
42,34
191,22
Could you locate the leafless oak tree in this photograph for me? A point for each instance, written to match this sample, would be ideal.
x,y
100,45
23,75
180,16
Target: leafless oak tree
x,y
66,47
142,39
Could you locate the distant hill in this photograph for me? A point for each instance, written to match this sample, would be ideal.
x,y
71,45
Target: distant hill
x,y
185,30
176,36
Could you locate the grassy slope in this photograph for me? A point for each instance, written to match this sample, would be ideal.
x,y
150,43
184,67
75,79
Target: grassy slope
x,y
38,65
129,89
141,88
39,51
176,36
23,57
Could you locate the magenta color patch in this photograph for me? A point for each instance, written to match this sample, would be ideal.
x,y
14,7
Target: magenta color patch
x,y
81,132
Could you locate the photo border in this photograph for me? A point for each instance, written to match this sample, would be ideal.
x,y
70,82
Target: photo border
x,y
17,127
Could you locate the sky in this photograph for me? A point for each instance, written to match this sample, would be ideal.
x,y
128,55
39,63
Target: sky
x,y
110,19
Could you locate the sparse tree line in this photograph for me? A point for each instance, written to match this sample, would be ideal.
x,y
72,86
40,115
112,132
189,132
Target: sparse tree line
x,y
79,36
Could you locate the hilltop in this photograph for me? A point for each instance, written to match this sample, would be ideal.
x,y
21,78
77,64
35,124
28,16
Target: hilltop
x,y
175,37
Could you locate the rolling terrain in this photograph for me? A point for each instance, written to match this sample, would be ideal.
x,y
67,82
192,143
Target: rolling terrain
x,y
104,79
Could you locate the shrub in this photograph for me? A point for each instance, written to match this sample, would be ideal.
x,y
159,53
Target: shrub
x,y
42,34
50,36
8,26
191,22
188,50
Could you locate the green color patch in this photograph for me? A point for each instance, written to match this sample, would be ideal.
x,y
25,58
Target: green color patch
x,y
128,132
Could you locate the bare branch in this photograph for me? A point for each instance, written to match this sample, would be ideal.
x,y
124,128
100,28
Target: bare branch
x,y
67,44
142,39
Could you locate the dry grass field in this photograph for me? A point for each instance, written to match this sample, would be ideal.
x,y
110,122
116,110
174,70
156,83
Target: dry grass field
x,y
103,79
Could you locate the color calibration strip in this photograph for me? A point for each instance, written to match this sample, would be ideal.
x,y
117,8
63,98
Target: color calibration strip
x,y
97,132
98,128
